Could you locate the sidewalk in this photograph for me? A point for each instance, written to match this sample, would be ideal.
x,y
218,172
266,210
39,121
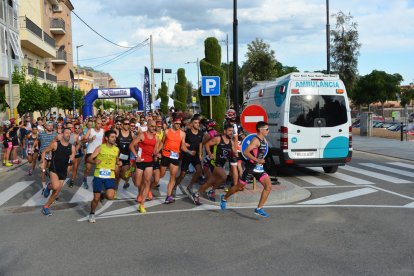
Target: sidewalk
x,y
384,146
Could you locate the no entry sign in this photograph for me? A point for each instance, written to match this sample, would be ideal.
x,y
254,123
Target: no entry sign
x,y
251,115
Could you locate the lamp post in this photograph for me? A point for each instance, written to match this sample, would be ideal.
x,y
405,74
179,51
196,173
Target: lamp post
x,y
235,58
328,53
228,70
198,74
77,63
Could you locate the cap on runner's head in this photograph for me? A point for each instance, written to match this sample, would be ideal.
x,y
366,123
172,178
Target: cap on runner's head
x,y
49,123
231,113
211,123
159,123
176,120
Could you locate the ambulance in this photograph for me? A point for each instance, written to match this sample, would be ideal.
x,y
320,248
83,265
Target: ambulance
x,y
309,120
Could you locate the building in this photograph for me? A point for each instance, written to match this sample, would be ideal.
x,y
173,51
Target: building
x,y
46,39
84,80
9,39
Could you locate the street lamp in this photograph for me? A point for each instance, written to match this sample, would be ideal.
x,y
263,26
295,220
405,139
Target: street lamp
x,y
235,57
198,70
228,70
77,63
328,63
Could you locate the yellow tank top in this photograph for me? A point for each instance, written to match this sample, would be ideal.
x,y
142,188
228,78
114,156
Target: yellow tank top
x,y
160,135
108,155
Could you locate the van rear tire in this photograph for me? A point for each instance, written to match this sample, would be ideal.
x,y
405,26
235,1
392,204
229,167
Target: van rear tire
x,y
330,169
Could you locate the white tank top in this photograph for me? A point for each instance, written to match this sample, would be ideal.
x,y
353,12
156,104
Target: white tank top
x,y
97,142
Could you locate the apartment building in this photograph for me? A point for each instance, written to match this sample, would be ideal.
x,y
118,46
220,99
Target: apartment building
x,y
84,80
46,39
9,39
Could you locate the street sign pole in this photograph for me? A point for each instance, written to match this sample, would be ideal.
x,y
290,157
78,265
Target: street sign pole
x,y
211,108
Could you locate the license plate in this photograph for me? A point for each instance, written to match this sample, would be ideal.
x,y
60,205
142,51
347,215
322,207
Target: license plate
x,y
304,154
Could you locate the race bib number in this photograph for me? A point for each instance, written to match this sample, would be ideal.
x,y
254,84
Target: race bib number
x,y
259,168
173,155
104,173
123,157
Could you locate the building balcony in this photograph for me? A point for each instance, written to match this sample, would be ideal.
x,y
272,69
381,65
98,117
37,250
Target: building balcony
x,y
34,39
61,57
51,78
63,83
57,26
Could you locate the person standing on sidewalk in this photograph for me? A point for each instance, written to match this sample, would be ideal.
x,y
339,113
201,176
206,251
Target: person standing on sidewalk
x,y
105,156
63,154
255,151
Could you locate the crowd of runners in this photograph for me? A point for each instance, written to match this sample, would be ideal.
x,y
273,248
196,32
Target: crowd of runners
x,y
131,146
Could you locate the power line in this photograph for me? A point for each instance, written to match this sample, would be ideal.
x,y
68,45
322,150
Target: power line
x,y
123,54
83,21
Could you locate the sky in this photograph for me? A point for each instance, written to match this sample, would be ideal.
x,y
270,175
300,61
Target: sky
x,y
295,30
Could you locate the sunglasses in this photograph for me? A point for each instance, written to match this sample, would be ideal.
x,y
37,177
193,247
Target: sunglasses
x,y
77,127
267,129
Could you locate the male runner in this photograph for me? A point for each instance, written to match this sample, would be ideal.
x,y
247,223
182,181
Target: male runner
x,y
174,141
255,151
149,146
222,153
63,154
193,141
105,156
93,137
123,141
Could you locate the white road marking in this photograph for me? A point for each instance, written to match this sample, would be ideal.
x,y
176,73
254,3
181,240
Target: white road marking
x,y
340,196
36,200
82,194
344,177
375,175
404,165
315,180
411,205
388,169
133,208
13,190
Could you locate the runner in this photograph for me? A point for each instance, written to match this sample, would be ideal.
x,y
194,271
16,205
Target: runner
x,y
7,144
148,148
157,163
45,139
62,153
193,141
123,140
174,141
32,152
79,152
93,137
210,134
105,156
255,151
222,154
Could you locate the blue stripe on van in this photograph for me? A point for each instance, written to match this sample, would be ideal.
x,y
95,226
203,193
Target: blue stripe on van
x,y
280,98
337,147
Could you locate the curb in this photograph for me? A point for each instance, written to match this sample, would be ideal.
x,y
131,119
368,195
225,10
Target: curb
x,y
385,155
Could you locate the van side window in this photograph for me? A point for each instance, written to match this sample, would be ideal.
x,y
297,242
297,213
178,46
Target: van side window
x,y
306,109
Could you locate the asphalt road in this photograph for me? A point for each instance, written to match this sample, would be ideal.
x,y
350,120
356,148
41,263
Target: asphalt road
x,y
357,222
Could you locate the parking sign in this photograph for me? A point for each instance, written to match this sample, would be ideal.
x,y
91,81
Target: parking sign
x,y
210,86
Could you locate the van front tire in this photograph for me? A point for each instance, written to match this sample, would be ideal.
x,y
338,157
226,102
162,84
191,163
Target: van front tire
x,y
330,169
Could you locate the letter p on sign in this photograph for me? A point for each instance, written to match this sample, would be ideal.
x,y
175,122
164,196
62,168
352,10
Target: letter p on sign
x,y
210,86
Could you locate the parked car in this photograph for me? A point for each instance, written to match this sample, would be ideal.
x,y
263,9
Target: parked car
x,y
395,127
379,118
387,125
411,117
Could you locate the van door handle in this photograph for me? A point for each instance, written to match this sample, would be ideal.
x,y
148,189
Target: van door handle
x,y
326,136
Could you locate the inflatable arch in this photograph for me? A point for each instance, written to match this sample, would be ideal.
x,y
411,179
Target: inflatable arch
x,y
111,93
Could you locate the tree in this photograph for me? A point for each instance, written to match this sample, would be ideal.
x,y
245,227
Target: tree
x,y
406,96
66,98
345,50
163,94
180,88
378,86
210,66
260,63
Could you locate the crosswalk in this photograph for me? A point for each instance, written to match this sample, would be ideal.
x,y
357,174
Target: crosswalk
x,y
28,193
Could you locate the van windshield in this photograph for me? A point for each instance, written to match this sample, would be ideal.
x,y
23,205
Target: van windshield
x,y
317,110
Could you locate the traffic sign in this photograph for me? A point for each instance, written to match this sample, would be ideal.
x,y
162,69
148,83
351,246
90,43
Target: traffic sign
x,y
251,115
246,141
15,93
210,86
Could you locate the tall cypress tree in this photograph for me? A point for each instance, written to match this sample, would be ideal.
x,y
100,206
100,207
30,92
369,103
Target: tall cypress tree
x,y
163,94
211,66
180,88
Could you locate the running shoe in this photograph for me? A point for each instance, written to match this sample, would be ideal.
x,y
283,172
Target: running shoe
x,y
260,212
85,183
46,191
92,218
126,185
8,164
30,172
197,199
150,196
141,209
46,211
212,195
71,183
169,200
223,203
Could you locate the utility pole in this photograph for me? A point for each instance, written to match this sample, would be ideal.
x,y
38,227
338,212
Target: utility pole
x,y
228,72
328,41
9,60
152,69
77,69
235,58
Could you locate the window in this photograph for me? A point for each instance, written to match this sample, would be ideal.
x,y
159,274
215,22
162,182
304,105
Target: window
x,y
15,43
317,110
2,40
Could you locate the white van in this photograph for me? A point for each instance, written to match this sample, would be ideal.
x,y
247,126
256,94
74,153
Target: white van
x,y
309,120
